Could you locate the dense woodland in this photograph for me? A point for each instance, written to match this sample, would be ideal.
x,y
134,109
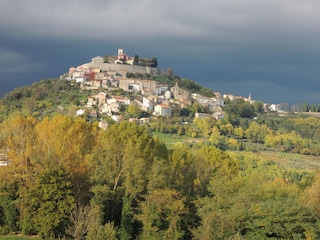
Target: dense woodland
x,y
69,179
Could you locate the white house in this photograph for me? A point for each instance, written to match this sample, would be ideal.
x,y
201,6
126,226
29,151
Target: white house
x,y
80,112
81,79
275,107
168,94
147,104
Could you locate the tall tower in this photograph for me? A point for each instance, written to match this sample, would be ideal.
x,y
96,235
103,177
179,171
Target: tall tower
x,y
121,54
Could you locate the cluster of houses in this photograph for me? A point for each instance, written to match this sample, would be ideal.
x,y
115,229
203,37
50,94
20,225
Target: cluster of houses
x,y
156,98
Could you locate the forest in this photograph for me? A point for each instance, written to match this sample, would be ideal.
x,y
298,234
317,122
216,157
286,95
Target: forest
x,y
69,179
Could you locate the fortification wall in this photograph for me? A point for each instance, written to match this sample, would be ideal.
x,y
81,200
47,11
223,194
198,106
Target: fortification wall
x,y
124,67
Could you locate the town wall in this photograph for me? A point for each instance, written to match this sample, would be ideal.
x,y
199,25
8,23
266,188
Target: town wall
x,y
124,67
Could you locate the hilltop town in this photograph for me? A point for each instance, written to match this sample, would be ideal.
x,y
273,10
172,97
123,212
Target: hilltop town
x,y
133,75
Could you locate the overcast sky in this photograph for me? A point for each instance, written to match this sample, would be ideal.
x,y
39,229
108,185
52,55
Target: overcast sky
x,y
269,48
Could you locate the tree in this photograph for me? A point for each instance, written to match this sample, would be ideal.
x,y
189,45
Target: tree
x,y
128,152
161,215
107,231
136,59
181,160
19,138
65,141
154,62
258,107
247,110
204,125
133,111
212,162
219,220
257,132
51,201
9,215
80,221
276,212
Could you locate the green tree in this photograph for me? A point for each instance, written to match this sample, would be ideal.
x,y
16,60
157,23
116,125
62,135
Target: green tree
x,y
258,107
51,202
161,215
154,62
221,214
108,231
9,214
247,110
181,160
136,59
134,111
79,222
257,132
128,152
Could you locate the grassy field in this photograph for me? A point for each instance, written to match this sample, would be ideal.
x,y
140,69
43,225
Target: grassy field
x,y
170,139
293,161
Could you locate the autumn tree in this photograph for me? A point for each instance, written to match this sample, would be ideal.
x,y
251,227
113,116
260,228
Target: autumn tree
x,y
257,132
64,141
19,137
204,125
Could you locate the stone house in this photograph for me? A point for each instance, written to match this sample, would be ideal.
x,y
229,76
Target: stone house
x,y
92,101
162,110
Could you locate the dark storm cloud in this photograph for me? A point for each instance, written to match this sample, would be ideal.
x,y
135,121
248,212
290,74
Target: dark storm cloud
x,y
267,48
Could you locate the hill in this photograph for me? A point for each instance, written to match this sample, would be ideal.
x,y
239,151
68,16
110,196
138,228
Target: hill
x,y
43,98
150,157
52,96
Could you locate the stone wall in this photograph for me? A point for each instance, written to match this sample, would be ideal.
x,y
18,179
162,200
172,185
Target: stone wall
x,y
124,67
